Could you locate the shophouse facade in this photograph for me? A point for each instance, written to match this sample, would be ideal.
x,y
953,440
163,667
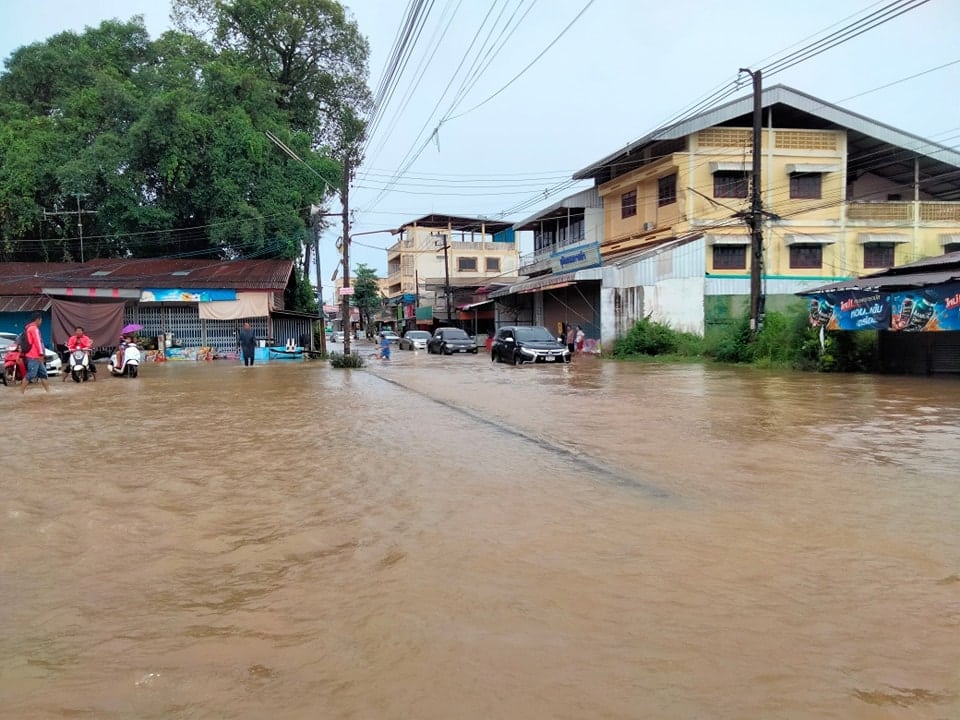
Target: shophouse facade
x,y
440,263
842,195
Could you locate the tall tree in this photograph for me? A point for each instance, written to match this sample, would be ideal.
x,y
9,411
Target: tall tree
x,y
310,49
366,293
163,140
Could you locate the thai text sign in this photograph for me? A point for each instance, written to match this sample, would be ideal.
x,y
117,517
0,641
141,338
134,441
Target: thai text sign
x,y
927,309
850,310
576,258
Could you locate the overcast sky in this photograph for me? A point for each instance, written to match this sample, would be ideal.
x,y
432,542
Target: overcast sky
x,y
623,68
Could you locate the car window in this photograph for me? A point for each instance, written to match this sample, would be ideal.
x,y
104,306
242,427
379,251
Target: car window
x,y
455,333
534,334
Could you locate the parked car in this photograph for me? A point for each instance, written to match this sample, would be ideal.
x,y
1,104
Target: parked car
x,y
527,343
52,361
414,340
391,336
449,340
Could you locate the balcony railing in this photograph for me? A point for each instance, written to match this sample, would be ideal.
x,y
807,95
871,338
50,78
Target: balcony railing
x,y
904,212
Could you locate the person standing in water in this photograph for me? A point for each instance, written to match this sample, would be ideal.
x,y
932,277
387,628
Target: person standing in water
x,y
36,369
248,341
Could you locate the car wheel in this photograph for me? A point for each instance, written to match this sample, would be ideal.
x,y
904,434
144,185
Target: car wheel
x,y
445,350
475,351
516,359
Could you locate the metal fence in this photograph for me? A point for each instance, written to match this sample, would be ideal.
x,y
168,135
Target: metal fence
x,y
188,330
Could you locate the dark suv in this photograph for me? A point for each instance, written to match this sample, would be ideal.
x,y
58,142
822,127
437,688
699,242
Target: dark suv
x,y
527,343
449,340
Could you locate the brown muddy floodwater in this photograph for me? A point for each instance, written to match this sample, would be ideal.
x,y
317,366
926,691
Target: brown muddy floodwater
x,y
443,537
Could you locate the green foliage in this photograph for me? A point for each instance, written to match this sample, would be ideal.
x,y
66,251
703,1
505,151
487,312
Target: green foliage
x,y
339,360
304,298
786,340
653,338
311,51
165,140
729,343
366,297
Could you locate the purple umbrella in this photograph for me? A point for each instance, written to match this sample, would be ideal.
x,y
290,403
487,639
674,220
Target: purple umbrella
x,y
132,327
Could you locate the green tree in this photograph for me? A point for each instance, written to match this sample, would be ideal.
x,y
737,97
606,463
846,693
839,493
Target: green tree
x,y
311,50
366,293
164,140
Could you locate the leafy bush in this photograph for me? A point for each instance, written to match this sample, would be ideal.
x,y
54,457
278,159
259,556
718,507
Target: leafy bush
x,y
339,360
649,338
729,344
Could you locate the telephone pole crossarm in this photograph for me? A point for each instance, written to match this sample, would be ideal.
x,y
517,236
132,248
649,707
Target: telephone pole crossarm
x,y
79,213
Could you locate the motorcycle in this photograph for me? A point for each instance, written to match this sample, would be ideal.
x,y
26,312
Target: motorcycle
x,y
126,361
80,365
14,367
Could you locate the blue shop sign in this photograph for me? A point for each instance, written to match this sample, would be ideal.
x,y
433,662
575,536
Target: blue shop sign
x,y
577,258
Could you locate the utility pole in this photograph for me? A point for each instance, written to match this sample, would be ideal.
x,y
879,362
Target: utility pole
x,y
756,210
446,272
79,213
345,299
323,316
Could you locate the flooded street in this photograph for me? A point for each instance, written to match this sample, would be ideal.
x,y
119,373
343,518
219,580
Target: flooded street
x,y
444,537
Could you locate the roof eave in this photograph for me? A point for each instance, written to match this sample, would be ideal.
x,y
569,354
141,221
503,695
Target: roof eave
x,y
788,96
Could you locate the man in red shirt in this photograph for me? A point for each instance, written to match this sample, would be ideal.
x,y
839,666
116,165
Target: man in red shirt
x,y
36,369
80,341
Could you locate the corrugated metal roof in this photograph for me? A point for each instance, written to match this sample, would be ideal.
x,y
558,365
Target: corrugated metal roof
x,y
28,278
889,282
24,303
459,223
939,262
928,271
589,198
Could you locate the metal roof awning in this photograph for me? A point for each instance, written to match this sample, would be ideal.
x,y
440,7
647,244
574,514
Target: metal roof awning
x,y
24,303
555,286
549,282
886,282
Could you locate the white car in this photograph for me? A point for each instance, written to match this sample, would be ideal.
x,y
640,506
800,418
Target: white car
x,y
414,340
51,359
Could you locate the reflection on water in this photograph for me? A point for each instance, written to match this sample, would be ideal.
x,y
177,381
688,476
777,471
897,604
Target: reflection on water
x,y
447,537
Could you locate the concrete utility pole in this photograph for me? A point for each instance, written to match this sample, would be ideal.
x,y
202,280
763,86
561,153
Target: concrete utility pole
x,y
79,213
756,210
345,299
446,272
323,316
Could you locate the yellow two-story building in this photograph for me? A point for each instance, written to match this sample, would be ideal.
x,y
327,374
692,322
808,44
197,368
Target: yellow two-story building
x,y
841,195
440,261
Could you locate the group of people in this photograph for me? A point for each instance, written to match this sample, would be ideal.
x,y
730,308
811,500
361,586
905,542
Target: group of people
x,y
575,338
30,354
